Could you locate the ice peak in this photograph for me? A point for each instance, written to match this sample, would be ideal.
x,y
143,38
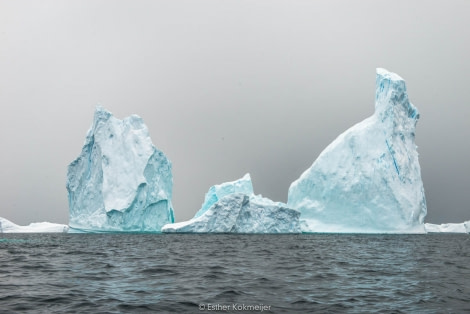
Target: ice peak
x,y
100,110
101,114
389,86
391,101
387,74
246,177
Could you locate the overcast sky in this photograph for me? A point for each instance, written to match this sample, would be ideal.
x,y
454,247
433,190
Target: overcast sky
x,y
225,88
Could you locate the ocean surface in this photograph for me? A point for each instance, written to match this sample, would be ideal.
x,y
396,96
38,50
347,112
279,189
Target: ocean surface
x,y
171,273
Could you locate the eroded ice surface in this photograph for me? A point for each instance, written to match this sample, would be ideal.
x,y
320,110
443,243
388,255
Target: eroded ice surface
x,y
216,192
232,207
7,226
368,179
120,181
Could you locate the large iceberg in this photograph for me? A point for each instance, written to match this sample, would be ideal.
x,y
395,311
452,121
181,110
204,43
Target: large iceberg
x,y
233,208
368,179
120,181
463,227
6,226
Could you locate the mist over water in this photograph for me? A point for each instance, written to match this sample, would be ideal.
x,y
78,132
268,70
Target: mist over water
x,y
117,273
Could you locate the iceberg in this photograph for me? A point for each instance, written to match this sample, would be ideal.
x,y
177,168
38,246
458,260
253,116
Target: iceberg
x,y
120,181
7,226
463,227
233,208
368,180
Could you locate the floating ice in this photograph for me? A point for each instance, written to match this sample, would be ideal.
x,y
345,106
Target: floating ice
x,y
369,178
120,181
7,226
233,208
463,227
241,213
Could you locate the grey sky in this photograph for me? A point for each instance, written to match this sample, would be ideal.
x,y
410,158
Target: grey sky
x,y
226,87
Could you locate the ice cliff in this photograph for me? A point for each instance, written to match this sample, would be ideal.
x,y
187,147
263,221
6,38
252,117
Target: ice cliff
x,y
368,179
7,226
120,181
233,208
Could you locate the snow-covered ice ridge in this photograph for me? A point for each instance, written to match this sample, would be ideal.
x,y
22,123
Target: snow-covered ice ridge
x,y
368,179
7,226
120,181
232,207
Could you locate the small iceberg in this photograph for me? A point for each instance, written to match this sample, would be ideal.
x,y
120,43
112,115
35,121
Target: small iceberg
x,y
463,227
233,208
7,226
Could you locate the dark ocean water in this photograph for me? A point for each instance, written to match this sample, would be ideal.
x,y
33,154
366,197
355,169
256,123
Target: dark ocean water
x,y
140,273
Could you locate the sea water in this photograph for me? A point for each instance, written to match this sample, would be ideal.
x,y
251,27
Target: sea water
x,y
140,273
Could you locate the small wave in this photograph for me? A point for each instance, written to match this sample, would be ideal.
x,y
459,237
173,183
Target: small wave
x,y
230,293
159,270
303,301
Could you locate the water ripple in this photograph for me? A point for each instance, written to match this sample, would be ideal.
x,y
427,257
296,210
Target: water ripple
x,y
177,273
